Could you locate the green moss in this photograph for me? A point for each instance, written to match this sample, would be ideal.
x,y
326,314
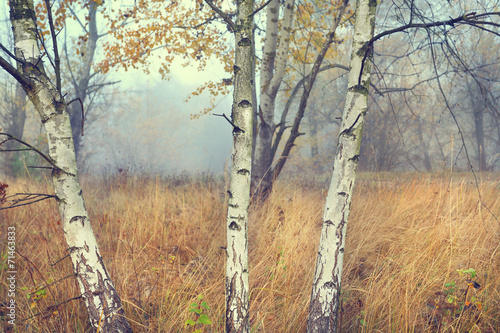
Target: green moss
x,y
363,49
20,10
359,89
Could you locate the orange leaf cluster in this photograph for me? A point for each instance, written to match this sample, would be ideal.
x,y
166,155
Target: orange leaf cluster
x,y
192,31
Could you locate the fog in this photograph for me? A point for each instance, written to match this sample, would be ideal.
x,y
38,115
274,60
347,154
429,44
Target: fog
x,y
149,127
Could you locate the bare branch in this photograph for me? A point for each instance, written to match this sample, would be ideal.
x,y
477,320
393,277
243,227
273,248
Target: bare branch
x,y
14,73
210,20
77,19
45,157
223,15
288,104
261,7
27,199
463,19
10,54
57,60
81,104
236,128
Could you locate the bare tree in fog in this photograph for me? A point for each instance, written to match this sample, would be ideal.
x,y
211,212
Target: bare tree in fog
x,y
13,113
430,30
79,61
477,101
271,76
13,118
410,119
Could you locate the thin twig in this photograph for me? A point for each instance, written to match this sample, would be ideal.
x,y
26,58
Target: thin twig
x,y
57,60
51,284
261,7
39,167
83,113
51,307
45,157
30,197
223,15
236,128
58,261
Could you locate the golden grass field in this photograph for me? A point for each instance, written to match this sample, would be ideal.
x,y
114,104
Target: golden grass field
x,y
161,240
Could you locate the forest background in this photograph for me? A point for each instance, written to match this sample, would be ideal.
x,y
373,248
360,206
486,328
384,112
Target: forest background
x,y
409,128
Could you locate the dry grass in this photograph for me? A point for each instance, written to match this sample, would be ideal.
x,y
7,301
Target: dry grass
x,y
161,241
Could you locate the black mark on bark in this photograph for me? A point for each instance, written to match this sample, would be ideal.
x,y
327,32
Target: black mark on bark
x,y
243,172
245,42
244,104
78,218
234,226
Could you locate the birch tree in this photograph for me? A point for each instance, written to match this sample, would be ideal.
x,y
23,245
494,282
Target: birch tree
x,y
274,60
309,84
237,289
79,54
98,291
326,289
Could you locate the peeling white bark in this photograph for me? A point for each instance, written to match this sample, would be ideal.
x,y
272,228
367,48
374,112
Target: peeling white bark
x,y
327,278
103,304
237,289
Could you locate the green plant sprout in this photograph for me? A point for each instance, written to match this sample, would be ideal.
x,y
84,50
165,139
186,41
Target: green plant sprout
x,y
470,271
362,321
452,303
201,318
36,295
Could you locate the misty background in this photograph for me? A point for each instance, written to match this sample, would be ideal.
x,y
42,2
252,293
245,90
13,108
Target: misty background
x,y
138,122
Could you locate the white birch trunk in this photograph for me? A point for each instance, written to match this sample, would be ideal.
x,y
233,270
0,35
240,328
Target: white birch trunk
x,y
100,296
327,279
270,80
237,289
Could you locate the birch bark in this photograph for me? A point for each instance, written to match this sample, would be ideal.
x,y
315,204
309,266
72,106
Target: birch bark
x,y
270,80
101,299
326,289
237,289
